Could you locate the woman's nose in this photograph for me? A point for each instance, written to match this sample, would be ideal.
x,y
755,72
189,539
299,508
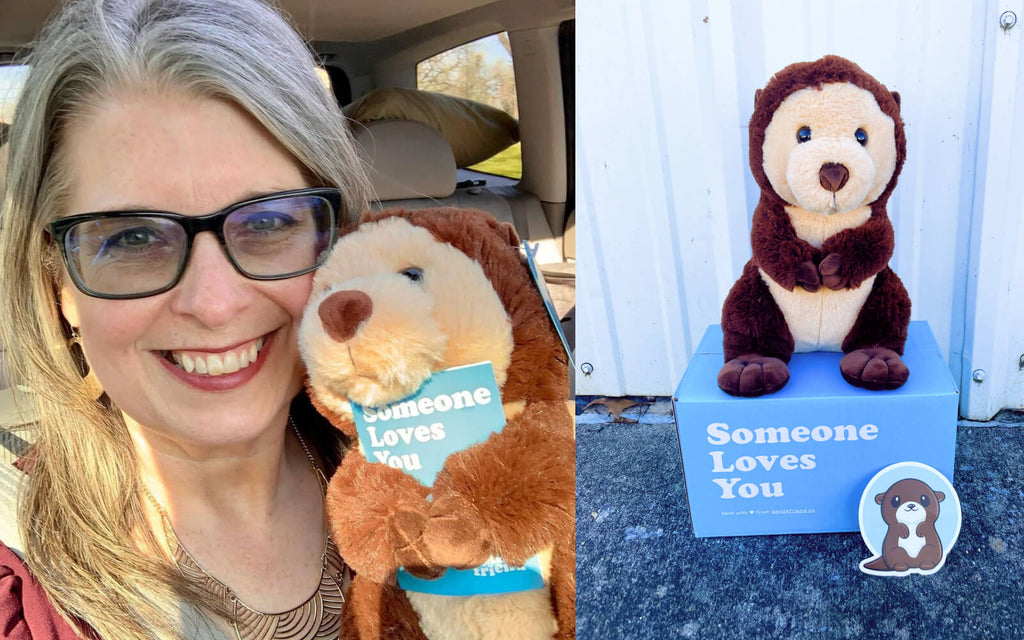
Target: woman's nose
x,y
210,289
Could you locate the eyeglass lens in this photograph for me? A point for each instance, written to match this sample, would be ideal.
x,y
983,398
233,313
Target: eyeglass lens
x,y
131,254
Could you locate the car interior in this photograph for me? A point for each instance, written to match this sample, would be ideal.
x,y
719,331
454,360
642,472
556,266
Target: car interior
x,y
423,148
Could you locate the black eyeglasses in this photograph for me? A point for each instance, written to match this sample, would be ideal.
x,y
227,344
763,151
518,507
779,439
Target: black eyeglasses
x,y
134,254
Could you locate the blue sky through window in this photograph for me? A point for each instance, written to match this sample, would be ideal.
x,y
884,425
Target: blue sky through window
x,y
11,80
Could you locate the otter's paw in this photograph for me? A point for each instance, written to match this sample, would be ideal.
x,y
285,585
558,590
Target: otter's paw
x,y
455,533
376,515
807,276
874,368
752,375
411,554
830,270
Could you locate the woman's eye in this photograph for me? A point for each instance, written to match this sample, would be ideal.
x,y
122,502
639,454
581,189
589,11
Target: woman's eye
x,y
861,136
413,273
804,134
131,240
138,237
268,222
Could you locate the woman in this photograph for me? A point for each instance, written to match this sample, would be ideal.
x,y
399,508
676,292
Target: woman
x,y
167,481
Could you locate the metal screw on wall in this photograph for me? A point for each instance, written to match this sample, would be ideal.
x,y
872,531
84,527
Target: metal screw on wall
x,y
1007,20
978,375
587,368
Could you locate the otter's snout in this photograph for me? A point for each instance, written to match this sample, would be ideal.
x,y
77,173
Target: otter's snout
x,y
343,311
833,176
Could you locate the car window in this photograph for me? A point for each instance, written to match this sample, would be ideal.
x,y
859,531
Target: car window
x,y
480,70
11,80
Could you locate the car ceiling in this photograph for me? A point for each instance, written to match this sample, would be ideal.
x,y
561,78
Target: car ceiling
x,y
330,20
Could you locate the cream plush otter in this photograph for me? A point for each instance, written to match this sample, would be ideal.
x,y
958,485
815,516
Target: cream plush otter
x,y
402,296
826,147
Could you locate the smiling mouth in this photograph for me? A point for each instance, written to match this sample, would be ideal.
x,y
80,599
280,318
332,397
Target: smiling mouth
x,y
216,364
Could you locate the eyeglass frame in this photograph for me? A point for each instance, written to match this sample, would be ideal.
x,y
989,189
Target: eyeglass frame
x,y
194,225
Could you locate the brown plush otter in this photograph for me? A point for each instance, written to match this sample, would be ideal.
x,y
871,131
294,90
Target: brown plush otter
x,y
910,508
406,294
826,147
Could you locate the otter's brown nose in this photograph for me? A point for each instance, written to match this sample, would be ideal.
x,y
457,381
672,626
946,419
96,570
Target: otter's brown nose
x,y
833,176
342,312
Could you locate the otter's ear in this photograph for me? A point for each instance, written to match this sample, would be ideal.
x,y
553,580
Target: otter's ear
x,y
879,498
508,233
896,97
939,496
757,97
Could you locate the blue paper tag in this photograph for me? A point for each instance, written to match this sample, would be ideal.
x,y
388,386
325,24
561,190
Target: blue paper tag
x,y
453,410
493,576
542,287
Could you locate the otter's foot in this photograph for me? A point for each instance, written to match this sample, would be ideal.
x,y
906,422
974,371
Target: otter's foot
x,y
874,368
751,375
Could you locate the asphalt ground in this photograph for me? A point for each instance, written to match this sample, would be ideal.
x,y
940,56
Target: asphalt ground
x,y
641,573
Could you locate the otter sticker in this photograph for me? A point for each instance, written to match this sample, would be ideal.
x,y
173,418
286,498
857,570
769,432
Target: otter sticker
x,y
909,518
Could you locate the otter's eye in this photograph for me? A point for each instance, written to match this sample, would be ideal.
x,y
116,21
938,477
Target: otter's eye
x,y
413,273
861,136
925,501
804,134
896,502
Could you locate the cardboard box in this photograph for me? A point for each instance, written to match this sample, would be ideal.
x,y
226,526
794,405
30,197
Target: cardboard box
x,y
797,461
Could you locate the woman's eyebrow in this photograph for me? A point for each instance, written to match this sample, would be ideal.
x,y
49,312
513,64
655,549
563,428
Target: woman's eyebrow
x,y
249,194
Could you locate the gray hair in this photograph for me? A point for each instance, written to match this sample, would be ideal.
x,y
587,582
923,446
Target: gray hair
x,y
235,50
82,515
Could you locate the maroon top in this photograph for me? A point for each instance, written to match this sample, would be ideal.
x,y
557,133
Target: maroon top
x,y
25,611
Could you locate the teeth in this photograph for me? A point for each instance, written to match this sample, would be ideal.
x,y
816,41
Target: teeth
x,y
215,364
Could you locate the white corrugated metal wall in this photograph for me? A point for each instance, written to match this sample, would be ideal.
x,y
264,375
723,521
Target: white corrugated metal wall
x,y
665,91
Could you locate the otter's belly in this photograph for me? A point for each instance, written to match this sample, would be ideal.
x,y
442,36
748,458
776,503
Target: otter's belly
x,y
913,543
526,615
819,321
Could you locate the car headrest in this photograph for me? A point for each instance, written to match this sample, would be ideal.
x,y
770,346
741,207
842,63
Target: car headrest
x,y
475,131
406,159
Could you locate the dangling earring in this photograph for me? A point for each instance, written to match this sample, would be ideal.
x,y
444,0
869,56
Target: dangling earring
x,y
89,379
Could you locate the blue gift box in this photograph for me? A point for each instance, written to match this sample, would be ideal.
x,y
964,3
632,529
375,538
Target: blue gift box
x,y
797,461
